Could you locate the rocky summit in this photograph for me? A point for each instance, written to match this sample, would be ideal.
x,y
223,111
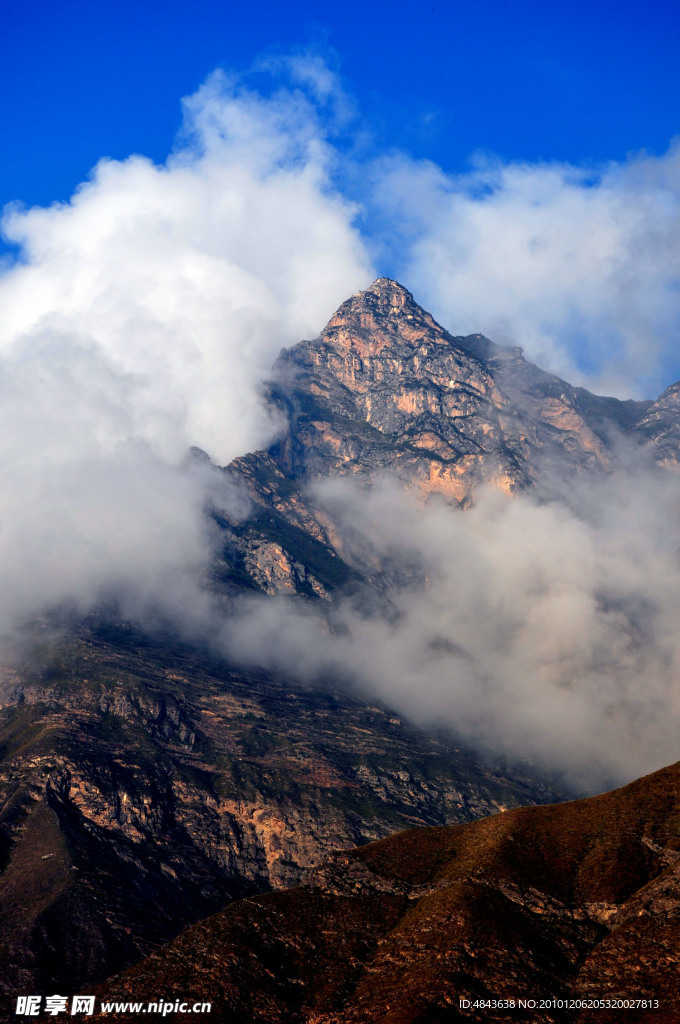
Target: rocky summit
x,y
145,783
385,387
384,390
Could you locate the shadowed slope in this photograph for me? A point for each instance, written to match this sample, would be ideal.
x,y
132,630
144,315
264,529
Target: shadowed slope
x,y
142,787
575,900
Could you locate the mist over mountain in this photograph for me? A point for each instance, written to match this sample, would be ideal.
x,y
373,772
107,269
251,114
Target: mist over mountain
x,y
143,317
446,588
522,535
311,635
439,524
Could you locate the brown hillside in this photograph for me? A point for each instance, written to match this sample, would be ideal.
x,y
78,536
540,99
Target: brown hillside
x,y
573,901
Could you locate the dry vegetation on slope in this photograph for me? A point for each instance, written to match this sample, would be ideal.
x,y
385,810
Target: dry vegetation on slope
x,y
576,900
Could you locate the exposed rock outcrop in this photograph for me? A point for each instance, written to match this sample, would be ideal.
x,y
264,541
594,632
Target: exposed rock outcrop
x,y
384,389
570,903
141,788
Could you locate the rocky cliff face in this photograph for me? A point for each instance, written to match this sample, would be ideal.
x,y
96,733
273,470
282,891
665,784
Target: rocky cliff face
x,y
660,426
385,387
142,787
385,390
575,902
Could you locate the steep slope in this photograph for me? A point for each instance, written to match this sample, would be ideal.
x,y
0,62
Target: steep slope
x,y
384,389
660,426
575,902
142,784
142,787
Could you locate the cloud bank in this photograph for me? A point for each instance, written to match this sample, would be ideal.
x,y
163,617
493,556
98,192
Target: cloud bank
x,y
142,319
577,265
144,315
538,628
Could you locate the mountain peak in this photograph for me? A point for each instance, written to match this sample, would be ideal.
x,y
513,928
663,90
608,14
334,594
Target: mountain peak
x,y
385,305
392,291
386,294
385,388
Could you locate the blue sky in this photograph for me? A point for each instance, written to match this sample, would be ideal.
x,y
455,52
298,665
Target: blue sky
x,y
563,80
511,163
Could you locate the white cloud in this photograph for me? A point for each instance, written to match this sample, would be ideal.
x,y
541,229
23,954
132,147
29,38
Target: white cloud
x,y
579,266
538,628
147,312
143,319
190,277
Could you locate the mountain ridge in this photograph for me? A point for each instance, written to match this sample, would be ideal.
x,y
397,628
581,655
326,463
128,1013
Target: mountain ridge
x,y
385,390
576,901
193,780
